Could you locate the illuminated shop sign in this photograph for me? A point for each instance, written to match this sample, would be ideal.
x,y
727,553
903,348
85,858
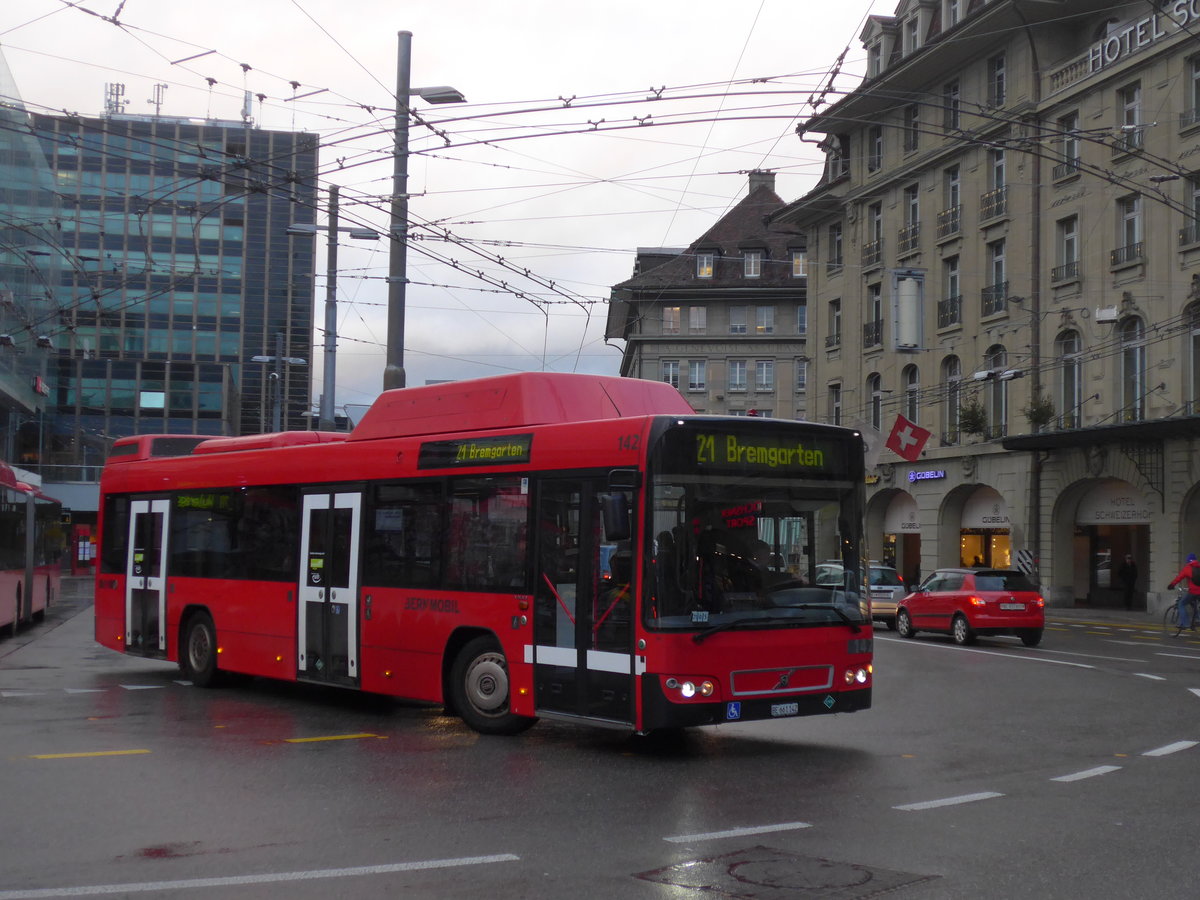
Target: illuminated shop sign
x,y
927,475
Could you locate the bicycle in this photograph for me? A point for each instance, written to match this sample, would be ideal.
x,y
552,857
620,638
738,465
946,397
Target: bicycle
x,y
1171,613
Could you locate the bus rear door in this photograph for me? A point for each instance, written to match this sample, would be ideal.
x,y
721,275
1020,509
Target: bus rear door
x,y
327,623
145,578
584,664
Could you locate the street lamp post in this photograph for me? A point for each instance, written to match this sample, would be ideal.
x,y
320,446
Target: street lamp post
x,y
393,372
276,376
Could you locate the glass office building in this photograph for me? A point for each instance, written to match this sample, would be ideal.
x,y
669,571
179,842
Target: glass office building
x,y
176,270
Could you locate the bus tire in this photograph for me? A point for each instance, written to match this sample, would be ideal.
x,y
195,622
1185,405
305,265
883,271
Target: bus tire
x,y
198,653
480,688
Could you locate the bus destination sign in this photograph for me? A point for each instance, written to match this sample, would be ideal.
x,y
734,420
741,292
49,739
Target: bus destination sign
x,y
476,451
754,451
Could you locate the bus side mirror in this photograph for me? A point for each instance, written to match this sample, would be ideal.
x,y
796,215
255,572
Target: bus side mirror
x,y
614,513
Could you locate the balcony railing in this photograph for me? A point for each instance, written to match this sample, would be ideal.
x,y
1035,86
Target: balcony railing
x,y
1130,142
993,298
1189,118
909,237
993,203
1123,256
1065,272
872,334
1189,234
949,221
1065,170
949,311
833,340
872,252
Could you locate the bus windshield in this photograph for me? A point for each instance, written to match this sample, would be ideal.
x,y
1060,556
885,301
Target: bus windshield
x,y
746,523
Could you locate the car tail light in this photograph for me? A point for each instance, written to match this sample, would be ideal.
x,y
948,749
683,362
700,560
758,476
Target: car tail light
x,y
1040,601
976,601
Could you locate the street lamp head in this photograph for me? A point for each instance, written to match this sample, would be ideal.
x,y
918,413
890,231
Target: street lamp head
x,y
441,93
301,229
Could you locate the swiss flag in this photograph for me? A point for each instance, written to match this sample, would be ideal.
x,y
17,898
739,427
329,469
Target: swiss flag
x,y
907,439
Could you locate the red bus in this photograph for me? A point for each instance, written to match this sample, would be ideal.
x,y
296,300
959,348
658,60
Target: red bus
x,y
523,546
31,547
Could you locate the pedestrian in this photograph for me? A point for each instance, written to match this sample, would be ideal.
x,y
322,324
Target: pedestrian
x,y
1187,599
1127,576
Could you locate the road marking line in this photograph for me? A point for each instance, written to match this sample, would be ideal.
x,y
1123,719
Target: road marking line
x,y
1088,773
269,878
1151,677
329,737
1179,655
84,690
7,694
88,753
737,832
1195,691
142,687
1171,748
911,643
948,801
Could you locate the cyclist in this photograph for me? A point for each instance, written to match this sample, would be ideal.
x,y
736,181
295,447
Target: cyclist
x,y
1190,573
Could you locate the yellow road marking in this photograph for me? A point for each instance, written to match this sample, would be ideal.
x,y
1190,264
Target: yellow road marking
x,y
329,737
91,753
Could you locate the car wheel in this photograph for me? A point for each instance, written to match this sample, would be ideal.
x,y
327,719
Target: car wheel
x,y
960,629
480,686
1030,637
904,626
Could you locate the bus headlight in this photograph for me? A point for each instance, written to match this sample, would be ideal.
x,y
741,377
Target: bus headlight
x,y
689,689
861,675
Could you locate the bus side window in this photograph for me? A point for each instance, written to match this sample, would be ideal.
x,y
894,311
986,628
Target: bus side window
x,y
403,537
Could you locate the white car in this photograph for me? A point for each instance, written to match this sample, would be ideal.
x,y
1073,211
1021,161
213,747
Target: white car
x,y
885,584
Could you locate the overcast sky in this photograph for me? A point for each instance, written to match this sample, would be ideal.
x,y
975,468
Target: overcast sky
x,y
591,129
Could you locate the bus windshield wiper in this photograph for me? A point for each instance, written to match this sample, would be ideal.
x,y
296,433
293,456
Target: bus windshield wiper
x,y
736,623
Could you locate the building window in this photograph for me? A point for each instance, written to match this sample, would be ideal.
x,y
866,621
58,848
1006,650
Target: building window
x,y
697,319
911,378
764,320
670,320
834,338
949,219
1129,230
995,201
835,404
912,128
1067,249
874,59
799,263
953,12
950,306
1133,370
801,375
873,317
952,384
912,35
697,374
1191,316
752,264
670,372
910,234
874,148
737,320
1191,115
997,88
1067,348
874,401
736,379
764,375
951,106
872,250
704,265
1068,146
802,319
1190,233
1129,119
834,260
995,293
996,392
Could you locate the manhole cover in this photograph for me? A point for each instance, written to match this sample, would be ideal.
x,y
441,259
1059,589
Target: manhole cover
x,y
763,873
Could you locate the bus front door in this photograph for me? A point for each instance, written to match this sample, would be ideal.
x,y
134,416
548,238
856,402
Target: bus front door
x,y
145,578
327,623
584,664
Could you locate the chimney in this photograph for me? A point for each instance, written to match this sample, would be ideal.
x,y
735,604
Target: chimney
x,y
762,178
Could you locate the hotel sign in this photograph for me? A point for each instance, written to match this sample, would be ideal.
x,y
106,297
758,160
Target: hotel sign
x,y
1132,36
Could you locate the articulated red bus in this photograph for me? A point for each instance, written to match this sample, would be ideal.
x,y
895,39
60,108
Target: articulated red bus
x,y
513,547
31,548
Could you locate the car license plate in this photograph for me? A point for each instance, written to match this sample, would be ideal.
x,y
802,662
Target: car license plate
x,y
1012,605
785,709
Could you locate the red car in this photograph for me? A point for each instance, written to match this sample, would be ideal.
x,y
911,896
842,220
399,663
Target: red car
x,y
966,603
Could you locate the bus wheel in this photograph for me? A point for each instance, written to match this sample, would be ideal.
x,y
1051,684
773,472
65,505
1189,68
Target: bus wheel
x,y
479,684
199,652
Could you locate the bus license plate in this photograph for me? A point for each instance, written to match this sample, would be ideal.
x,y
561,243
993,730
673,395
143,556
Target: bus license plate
x,y
1012,605
785,709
